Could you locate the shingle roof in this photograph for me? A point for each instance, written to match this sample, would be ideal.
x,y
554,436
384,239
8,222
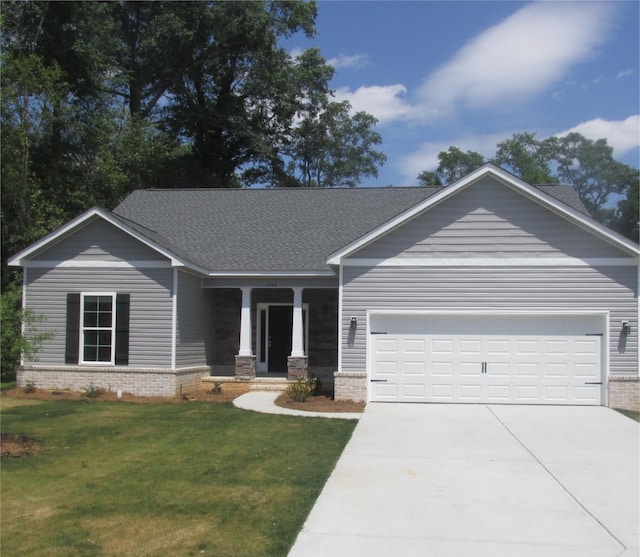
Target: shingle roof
x,y
277,230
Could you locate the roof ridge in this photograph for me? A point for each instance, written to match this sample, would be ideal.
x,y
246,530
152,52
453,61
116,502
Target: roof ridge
x,y
327,189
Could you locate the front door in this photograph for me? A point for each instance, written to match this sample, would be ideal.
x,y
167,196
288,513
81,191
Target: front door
x,y
279,337
273,344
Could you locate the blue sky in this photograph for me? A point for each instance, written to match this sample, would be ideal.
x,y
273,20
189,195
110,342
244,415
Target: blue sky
x,y
471,74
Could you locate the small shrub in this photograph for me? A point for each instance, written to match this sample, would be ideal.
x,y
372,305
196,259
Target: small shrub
x,y
91,391
302,388
217,388
30,387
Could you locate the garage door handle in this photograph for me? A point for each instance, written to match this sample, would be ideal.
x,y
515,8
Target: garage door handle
x,y
593,383
378,380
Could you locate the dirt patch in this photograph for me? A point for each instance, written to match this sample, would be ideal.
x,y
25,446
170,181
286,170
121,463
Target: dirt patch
x,y
14,445
227,392
320,403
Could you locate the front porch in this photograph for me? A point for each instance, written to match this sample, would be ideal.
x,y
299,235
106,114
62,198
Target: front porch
x,y
275,333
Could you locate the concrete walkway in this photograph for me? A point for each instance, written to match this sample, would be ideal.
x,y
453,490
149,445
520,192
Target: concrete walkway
x,y
264,401
499,481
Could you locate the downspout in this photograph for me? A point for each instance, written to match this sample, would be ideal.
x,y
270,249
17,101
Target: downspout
x,y
23,325
174,317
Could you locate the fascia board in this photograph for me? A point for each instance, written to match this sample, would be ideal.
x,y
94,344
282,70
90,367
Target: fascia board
x,y
507,179
82,220
271,274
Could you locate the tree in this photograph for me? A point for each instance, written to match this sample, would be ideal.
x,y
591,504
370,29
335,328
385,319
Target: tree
x,y
14,343
585,164
453,165
240,92
527,158
334,148
590,168
627,214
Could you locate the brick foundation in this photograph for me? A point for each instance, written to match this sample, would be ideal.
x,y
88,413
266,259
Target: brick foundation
x,y
624,392
350,385
137,381
297,367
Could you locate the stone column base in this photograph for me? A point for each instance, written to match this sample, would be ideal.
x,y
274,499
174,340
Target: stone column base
x,y
297,367
245,367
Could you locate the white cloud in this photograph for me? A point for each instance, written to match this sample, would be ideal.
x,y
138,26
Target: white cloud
x,y
355,61
622,135
519,57
385,102
625,73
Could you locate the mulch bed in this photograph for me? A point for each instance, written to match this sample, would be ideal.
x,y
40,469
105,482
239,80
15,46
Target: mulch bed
x,y
320,403
228,391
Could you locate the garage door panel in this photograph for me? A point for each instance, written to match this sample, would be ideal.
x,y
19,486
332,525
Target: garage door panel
x,y
470,348
415,368
489,359
414,390
557,370
387,369
386,391
442,392
499,393
442,347
442,369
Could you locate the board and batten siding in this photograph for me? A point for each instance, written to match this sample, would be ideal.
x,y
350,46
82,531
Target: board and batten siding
x,y
98,240
512,289
194,325
150,312
488,219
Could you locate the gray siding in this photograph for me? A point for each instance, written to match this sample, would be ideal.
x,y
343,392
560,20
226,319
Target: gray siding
x,y
612,289
150,309
99,240
489,219
194,327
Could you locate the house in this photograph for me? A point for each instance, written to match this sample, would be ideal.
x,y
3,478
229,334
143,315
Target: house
x,y
488,290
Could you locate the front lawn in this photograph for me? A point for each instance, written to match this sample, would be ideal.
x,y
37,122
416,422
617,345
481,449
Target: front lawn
x,y
115,478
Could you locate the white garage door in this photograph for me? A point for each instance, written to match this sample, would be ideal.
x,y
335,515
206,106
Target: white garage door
x,y
493,359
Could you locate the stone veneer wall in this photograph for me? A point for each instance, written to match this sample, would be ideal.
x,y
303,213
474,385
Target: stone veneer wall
x,y
350,385
141,382
624,392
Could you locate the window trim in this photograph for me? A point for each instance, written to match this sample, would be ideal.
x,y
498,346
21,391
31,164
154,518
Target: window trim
x,y
82,329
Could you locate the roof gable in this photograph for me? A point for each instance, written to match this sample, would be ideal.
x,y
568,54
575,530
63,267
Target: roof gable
x,y
488,220
63,234
489,171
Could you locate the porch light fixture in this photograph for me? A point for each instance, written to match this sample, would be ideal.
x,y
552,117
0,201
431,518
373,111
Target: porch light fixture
x,y
626,327
354,322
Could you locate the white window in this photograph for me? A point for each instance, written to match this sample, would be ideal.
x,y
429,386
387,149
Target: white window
x,y
97,328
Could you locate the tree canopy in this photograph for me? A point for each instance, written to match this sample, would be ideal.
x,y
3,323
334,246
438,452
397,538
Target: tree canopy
x,y
608,188
102,98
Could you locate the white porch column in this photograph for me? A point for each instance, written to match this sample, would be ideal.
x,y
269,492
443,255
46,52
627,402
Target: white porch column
x,y
297,331
245,323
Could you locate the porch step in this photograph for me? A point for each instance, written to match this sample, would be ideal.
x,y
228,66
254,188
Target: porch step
x,y
255,383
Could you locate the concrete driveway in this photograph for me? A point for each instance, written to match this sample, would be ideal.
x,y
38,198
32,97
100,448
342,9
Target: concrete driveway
x,y
456,480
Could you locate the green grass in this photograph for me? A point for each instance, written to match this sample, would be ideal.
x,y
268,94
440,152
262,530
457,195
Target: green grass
x,y
8,385
114,478
633,414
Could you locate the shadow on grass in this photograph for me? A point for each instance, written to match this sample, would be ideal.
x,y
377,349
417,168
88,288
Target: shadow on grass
x,y
633,414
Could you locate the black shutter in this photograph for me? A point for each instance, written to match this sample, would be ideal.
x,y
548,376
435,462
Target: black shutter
x,y
122,329
71,352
